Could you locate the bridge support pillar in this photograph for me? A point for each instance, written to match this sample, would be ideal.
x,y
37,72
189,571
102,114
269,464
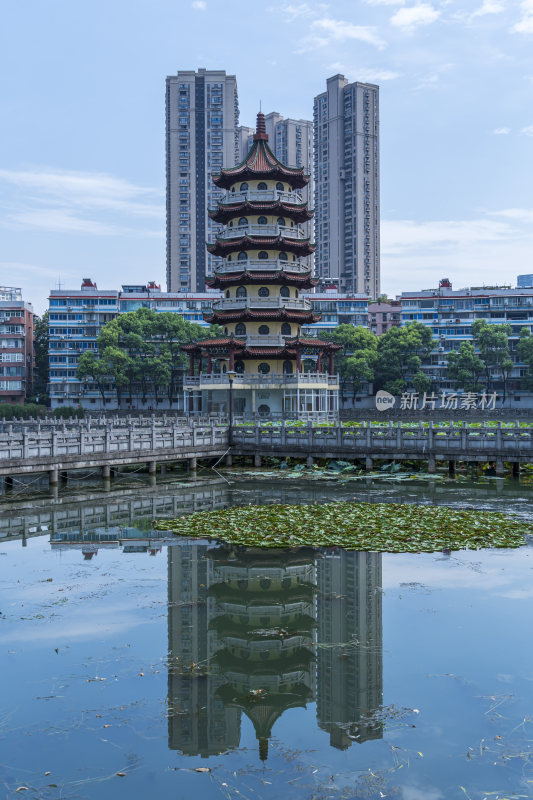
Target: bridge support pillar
x,y
192,464
53,477
500,471
152,467
106,472
431,465
163,469
107,484
369,464
451,469
257,460
310,461
516,469
229,460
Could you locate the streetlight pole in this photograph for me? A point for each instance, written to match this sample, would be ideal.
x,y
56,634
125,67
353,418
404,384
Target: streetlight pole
x,y
231,376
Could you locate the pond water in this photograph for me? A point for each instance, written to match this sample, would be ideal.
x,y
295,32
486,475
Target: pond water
x,y
134,666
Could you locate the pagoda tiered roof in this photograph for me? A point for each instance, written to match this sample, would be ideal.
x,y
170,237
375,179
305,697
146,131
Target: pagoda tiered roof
x,y
228,210
223,247
241,277
261,164
290,349
249,314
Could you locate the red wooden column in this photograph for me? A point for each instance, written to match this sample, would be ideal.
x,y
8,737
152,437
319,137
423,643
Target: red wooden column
x,y
209,364
298,360
331,363
232,361
319,362
191,363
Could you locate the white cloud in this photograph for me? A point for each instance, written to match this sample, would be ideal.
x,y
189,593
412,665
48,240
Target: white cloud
x,y
67,202
528,130
385,2
365,75
488,7
10,267
199,5
501,131
414,16
520,214
327,31
525,24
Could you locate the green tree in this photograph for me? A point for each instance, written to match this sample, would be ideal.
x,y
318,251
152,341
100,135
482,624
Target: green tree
x,y
465,368
355,363
492,341
524,351
401,354
89,366
41,347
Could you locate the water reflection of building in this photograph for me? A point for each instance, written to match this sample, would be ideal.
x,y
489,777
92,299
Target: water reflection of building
x,y
199,723
265,628
349,666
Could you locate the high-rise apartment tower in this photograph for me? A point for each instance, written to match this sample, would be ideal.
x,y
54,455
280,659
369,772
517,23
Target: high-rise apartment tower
x,y
291,141
202,116
346,172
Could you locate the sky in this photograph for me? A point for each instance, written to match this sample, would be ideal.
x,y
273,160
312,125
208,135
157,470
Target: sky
x,y
82,126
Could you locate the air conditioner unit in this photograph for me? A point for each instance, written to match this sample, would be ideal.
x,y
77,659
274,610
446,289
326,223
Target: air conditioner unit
x,y
442,363
441,349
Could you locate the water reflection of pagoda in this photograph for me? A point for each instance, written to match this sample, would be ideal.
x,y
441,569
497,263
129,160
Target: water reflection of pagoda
x,y
265,628
268,631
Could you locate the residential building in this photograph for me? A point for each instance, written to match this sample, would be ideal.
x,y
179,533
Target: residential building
x,y
265,268
450,313
16,346
202,116
384,316
77,317
291,141
336,309
346,173
524,281
350,660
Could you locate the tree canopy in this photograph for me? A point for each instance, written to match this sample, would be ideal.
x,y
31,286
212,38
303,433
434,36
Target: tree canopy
x,y
401,353
139,354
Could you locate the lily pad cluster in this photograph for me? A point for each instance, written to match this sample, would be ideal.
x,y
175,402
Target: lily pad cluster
x,y
385,527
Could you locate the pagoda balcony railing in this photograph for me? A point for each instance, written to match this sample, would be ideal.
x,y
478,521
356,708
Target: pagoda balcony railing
x,y
261,302
265,196
254,340
251,378
262,230
262,265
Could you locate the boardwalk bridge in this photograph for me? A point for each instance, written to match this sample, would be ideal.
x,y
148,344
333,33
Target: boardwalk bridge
x,y
109,444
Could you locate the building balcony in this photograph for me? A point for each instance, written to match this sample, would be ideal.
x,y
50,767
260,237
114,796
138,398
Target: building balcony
x,y
266,196
285,231
262,265
251,380
240,303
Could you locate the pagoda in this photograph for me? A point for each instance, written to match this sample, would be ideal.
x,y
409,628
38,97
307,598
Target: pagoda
x,y
266,267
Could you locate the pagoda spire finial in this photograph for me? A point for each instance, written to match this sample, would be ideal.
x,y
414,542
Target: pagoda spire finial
x,y
260,129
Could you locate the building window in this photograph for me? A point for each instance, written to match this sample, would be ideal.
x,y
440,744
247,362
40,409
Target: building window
x,y
283,257
244,187
286,329
262,186
241,292
264,330
240,329
287,367
263,409
262,221
239,367
263,255
264,368
243,257
279,186
285,291
227,293
264,291
281,221
243,221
